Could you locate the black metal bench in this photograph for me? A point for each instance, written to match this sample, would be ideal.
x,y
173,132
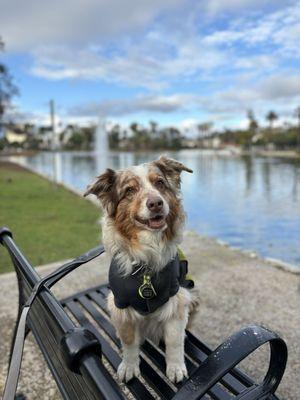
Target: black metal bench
x,y
84,355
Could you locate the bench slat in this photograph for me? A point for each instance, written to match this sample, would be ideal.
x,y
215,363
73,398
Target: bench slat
x,y
229,382
151,376
135,386
151,351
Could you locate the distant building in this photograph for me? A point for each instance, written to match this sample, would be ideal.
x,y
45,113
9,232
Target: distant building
x,y
212,142
15,135
189,143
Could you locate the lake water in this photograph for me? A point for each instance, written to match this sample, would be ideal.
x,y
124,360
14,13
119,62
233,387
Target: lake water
x,y
250,202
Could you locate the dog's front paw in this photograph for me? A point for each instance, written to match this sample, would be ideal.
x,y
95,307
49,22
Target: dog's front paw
x,y
128,371
176,372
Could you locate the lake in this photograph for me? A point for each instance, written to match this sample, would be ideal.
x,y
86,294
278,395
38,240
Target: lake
x,y
250,202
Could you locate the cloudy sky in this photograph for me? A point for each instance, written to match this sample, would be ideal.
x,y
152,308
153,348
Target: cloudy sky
x,y
174,61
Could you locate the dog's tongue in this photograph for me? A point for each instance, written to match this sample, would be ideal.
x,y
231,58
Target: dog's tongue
x,y
156,223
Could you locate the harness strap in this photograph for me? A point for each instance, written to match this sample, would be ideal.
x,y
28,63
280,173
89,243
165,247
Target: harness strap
x,y
18,345
185,280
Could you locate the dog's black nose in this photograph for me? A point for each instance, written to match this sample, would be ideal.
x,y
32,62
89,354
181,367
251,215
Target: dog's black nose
x,y
154,203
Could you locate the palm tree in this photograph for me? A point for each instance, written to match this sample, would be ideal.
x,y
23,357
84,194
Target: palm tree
x,y
153,127
204,129
271,117
253,124
297,115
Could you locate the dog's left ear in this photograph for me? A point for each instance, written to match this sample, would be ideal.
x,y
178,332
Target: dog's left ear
x,y
171,168
104,189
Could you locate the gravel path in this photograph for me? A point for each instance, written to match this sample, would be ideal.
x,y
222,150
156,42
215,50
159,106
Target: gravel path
x,y
236,290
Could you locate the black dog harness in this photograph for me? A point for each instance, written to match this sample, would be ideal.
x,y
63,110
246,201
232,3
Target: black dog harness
x,y
145,291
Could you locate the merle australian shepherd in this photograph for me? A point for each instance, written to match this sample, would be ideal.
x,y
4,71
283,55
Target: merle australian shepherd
x,y
142,226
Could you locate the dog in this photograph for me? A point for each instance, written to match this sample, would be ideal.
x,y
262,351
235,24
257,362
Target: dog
x,y
142,226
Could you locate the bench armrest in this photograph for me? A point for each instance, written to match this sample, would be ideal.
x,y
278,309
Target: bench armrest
x,y
225,357
20,261
68,267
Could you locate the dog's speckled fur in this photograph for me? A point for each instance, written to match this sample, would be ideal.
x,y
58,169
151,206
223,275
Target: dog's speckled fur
x,y
131,236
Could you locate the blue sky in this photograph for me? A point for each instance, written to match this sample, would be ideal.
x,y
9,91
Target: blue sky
x,y
178,62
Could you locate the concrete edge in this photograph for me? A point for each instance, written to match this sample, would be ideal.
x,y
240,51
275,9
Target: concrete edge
x,y
285,266
273,262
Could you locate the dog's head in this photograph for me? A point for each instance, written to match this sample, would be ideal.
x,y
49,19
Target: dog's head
x,y
143,197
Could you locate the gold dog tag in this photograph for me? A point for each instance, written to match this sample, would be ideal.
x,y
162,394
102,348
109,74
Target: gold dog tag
x,y
146,290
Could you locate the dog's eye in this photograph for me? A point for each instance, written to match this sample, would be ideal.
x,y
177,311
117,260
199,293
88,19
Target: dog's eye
x,y
160,184
129,191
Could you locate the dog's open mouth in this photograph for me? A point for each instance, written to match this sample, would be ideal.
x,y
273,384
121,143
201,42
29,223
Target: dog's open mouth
x,y
156,222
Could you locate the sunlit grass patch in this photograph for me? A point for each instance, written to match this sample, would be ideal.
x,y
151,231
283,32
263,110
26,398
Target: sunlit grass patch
x,y
48,222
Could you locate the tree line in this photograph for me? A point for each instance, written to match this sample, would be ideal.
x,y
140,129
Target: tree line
x,y
284,137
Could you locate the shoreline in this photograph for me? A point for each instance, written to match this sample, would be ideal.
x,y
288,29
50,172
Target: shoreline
x,y
274,262
290,154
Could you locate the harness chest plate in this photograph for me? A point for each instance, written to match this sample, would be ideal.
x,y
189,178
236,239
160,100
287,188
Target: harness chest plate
x,y
143,291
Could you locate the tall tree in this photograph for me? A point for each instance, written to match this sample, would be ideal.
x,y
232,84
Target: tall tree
x,y
114,136
204,129
271,117
297,115
253,124
153,128
7,87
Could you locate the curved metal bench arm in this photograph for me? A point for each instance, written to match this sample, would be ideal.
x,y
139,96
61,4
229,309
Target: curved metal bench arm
x,y
236,348
59,273
74,341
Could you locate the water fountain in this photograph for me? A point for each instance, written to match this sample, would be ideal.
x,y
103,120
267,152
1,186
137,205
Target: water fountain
x,y
101,140
101,147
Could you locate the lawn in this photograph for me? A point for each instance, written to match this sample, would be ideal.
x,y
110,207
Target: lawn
x,y
49,223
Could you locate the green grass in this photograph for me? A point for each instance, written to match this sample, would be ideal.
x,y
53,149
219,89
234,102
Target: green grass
x,y
48,222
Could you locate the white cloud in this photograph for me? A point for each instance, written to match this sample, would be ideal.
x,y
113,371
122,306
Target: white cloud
x,y
31,23
56,63
146,103
27,24
169,53
270,92
279,28
283,86
216,6
152,62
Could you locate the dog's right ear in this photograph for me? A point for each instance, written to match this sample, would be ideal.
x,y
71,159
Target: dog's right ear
x,y
104,188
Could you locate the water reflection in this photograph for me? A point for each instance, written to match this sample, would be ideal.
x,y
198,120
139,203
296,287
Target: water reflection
x,y
250,202
266,173
249,172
